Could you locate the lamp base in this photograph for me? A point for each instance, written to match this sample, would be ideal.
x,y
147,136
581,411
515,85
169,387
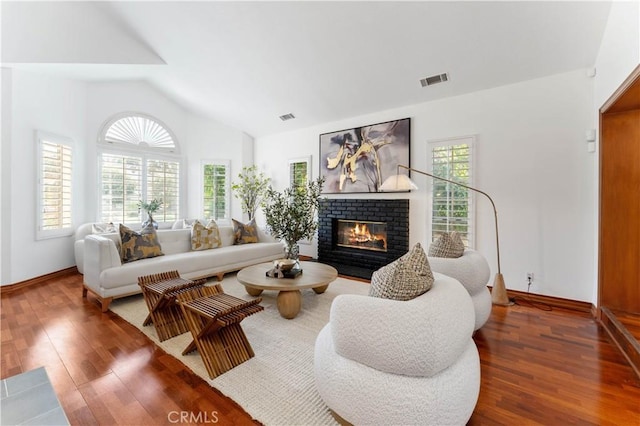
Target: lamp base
x,y
499,292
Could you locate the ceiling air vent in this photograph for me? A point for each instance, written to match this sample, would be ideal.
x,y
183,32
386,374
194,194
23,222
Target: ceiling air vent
x,y
287,117
434,79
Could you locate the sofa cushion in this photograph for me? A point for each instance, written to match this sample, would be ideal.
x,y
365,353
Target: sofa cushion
x,y
447,245
139,245
205,237
245,233
404,279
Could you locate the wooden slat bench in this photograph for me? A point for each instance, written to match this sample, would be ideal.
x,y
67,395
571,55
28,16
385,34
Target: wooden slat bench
x,y
160,291
214,320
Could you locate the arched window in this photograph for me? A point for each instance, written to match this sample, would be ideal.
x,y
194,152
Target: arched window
x,y
138,161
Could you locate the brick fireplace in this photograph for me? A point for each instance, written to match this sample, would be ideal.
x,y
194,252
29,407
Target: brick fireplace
x,y
358,236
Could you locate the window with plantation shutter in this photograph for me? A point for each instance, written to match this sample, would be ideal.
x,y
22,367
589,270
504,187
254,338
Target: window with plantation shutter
x,y
299,172
138,162
121,188
55,155
215,190
163,183
452,205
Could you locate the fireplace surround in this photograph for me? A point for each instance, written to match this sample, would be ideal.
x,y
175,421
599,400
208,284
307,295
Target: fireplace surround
x,y
386,237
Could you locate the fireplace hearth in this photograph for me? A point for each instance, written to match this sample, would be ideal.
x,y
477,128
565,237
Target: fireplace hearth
x,y
358,236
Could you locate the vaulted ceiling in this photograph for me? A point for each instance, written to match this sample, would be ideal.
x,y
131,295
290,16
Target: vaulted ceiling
x,y
246,63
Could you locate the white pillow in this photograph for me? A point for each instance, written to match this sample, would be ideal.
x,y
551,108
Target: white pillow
x,y
103,228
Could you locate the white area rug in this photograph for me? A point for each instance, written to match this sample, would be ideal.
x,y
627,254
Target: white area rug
x,y
276,387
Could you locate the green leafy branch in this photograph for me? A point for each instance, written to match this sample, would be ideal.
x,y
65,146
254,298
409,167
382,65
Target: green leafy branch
x,y
250,189
291,214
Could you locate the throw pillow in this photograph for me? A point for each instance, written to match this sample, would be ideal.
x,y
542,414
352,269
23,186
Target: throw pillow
x,y
205,237
404,279
245,233
103,228
447,245
139,245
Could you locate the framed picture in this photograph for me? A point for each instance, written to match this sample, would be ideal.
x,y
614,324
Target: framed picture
x,y
360,159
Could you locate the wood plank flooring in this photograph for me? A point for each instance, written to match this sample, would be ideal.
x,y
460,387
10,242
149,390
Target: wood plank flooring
x,y
551,368
630,321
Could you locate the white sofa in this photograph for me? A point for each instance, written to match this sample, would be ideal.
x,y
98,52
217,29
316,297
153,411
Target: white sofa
x,y
472,270
107,277
388,362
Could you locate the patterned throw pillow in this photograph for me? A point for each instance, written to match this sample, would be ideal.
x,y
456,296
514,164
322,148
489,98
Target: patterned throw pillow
x,y
139,245
404,279
103,228
447,245
245,233
205,237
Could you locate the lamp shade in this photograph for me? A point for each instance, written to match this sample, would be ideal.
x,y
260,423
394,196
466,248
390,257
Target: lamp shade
x,y
398,182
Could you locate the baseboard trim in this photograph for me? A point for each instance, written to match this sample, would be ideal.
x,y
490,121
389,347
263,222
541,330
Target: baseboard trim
x,y
624,341
555,302
8,289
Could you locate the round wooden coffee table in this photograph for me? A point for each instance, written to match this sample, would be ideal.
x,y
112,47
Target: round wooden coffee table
x,y
314,275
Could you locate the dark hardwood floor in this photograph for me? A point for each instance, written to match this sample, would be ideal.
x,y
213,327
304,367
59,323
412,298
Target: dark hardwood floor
x,y
538,367
630,321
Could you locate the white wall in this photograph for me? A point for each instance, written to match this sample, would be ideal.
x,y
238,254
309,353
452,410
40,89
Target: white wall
x,y
108,99
619,51
208,140
199,138
78,110
5,176
531,158
57,106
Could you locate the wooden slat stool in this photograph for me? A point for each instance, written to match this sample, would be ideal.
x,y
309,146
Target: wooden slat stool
x,y
160,291
214,321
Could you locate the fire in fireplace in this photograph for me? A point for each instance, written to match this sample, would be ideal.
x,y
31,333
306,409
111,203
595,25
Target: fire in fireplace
x,y
362,235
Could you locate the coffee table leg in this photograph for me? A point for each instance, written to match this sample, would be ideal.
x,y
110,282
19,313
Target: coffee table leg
x,y
289,303
321,289
253,291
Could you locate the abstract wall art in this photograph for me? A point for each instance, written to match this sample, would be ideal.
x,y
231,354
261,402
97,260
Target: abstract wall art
x,y
360,159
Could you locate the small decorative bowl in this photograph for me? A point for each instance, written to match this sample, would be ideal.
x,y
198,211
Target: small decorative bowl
x,y
284,264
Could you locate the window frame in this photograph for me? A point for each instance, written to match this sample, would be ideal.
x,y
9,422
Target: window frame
x,y
64,231
227,185
469,140
306,160
145,153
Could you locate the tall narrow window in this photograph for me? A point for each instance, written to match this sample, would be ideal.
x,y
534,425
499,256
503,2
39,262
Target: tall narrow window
x,y
215,190
299,172
452,206
54,186
139,161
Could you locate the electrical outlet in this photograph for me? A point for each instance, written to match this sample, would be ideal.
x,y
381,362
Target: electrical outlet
x,y
530,276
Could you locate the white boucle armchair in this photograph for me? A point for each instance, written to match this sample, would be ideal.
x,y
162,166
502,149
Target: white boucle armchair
x,y
383,362
472,270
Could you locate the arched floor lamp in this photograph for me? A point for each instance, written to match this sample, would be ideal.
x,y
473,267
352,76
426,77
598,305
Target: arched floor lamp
x,y
401,182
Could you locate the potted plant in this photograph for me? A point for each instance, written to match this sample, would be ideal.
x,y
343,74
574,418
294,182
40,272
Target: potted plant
x,y
251,189
291,214
150,207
